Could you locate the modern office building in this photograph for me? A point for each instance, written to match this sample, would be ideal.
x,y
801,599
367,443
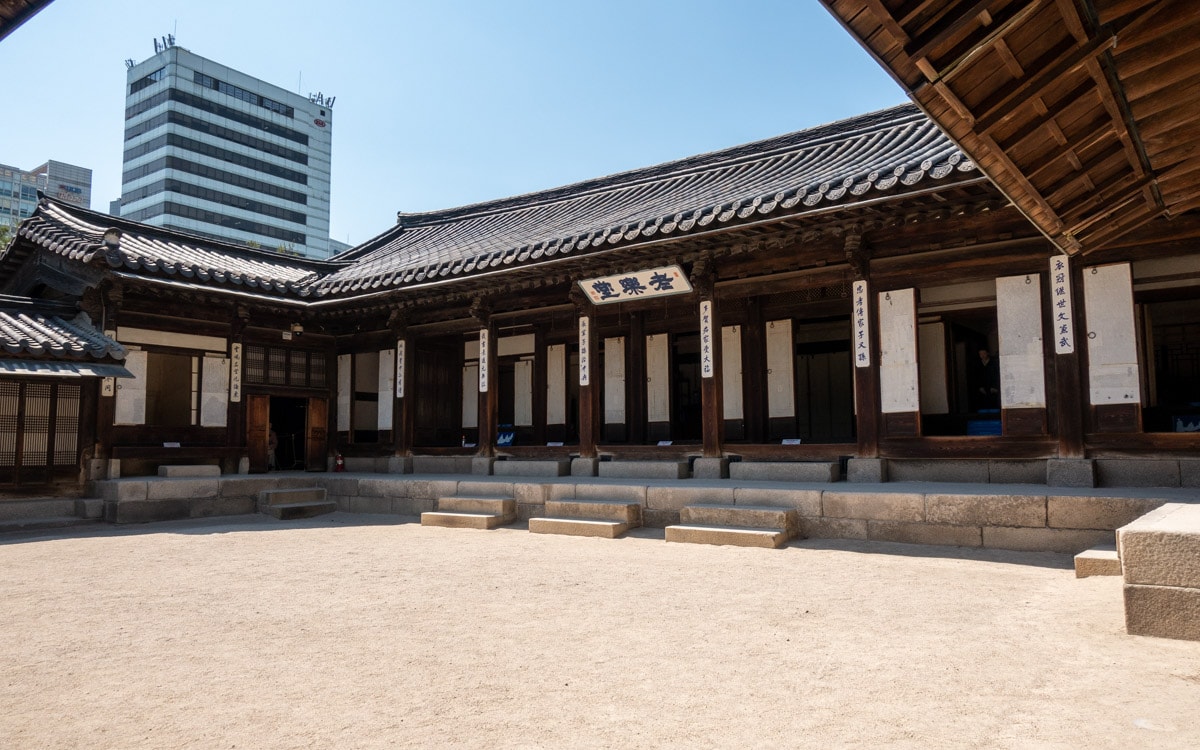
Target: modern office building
x,y
19,188
215,152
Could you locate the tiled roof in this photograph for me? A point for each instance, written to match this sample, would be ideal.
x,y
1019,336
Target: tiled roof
x,y
79,234
880,154
36,328
838,163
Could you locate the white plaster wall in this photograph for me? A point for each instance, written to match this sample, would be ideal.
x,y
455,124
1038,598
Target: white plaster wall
x,y
343,392
214,392
1111,335
512,345
131,392
1022,363
658,378
781,396
470,395
899,390
523,393
387,387
731,371
935,397
556,384
614,380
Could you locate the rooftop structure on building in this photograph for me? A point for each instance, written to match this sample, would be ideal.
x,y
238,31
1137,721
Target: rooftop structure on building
x,y
214,152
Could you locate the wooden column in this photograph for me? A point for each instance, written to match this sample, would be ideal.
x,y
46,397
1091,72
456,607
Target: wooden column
x,y
489,404
635,375
864,348
111,297
402,402
235,426
1069,392
754,372
538,386
590,381
712,391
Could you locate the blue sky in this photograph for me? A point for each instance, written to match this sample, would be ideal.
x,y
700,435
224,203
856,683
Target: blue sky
x,y
445,103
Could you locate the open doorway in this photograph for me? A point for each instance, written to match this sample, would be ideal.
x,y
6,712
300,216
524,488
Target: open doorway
x,y
289,418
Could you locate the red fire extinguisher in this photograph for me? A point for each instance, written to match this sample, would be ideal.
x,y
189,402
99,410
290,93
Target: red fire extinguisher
x,y
339,463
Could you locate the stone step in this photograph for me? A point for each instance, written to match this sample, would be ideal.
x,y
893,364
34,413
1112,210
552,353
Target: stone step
x,y
478,504
579,527
51,522
1098,561
290,511
786,471
196,470
268,498
596,510
743,516
728,535
456,520
37,507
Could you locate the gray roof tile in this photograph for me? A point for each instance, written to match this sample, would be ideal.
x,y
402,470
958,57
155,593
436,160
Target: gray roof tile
x,y
34,328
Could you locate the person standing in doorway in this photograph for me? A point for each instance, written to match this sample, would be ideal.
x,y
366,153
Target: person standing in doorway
x,y
987,394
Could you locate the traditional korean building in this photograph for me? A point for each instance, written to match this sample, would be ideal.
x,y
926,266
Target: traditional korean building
x,y
1015,301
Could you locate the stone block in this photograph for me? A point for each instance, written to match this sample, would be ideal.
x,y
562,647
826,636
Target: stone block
x,y
807,502
223,506
567,491
198,470
710,468
833,528
1098,561
938,470
36,508
584,467
743,516
1083,512
89,507
411,506
578,527
1189,473
867,470
874,506
1137,472
399,465
441,464
785,471
342,502
526,511
380,487
529,493
182,489
548,468
482,465
370,504
486,489
146,511
1163,548
360,464
924,533
249,486
97,469
657,519
455,520
243,465
349,486
986,510
281,496
644,469
1070,541
1162,611
1070,472
430,489
1017,472
630,493
674,498
122,490
499,506
597,510
114,468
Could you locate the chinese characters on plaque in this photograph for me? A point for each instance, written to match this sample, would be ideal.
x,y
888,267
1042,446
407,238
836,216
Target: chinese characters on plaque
x,y
400,368
584,373
862,326
235,373
653,282
706,343
483,360
1060,305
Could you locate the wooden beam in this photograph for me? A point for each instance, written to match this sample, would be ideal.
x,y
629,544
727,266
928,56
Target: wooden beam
x,y
1163,49
946,28
884,17
1014,16
1070,60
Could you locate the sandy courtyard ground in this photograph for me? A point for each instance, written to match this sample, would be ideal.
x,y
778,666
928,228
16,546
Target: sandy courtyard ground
x,y
357,631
